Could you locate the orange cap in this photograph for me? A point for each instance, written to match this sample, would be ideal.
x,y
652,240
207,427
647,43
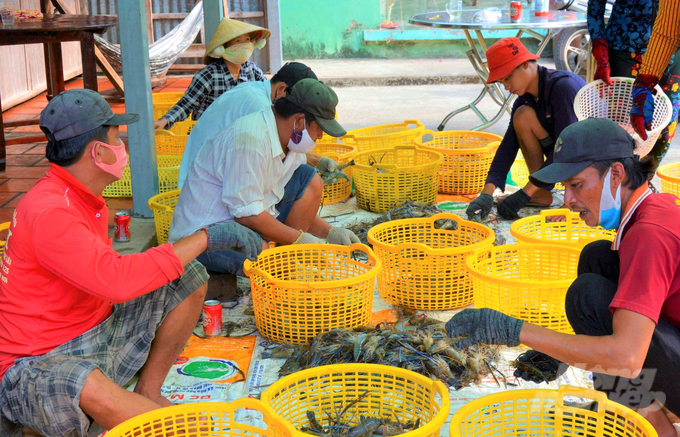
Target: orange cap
x,y
504,56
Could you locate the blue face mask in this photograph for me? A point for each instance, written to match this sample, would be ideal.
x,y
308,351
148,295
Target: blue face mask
x,y
610,207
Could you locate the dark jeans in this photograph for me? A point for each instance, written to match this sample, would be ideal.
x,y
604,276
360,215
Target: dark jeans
x,y
229,261
587,308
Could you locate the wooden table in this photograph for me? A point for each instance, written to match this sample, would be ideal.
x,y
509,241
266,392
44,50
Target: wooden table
x,y
51,32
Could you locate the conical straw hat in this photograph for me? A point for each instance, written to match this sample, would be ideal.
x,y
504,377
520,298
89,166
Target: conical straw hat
x,y
230,29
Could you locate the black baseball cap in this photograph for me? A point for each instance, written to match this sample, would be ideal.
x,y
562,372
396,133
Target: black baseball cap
x,y
292,72
320,100
75,112
583,143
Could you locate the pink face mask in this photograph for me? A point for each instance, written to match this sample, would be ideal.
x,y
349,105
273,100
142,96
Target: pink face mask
x,y
115,169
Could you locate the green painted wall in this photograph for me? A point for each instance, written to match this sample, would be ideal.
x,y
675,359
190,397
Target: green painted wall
x,y
312,29
331,29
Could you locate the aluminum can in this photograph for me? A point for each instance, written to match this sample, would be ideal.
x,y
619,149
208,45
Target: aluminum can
x,y
121,226
212,318
515,11
542,7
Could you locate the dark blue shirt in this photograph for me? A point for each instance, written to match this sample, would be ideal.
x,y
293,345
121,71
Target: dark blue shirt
x,y
555,111
629,26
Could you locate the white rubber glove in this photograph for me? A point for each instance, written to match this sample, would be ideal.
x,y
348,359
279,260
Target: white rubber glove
x,y
341,236
307,238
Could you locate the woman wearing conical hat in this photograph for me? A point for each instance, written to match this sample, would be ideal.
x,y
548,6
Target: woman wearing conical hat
x,y
227,57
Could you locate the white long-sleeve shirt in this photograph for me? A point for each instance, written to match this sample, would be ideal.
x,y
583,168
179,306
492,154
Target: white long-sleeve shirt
x,y
242,100
241,172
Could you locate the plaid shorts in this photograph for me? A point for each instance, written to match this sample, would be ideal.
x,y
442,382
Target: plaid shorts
x,y
43,392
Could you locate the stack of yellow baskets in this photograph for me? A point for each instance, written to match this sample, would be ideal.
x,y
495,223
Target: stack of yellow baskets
x,y
163,207
467,158
162,103
169,150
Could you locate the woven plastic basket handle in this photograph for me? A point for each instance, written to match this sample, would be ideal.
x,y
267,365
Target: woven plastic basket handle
x,y
560,211
417,123
249,268
580,392
422,247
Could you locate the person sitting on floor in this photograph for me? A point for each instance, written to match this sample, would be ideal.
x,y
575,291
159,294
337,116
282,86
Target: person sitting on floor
x,y
254,173
245,99
545,106
227,56
77,319
624,306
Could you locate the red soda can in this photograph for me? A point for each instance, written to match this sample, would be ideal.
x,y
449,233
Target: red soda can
x,y
212,318
121,226
515,11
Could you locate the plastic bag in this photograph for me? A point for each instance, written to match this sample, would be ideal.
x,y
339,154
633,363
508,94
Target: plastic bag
x,y
488,15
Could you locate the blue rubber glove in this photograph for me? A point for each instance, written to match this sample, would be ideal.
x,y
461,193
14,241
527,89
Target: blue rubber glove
x,y
236,237
483,326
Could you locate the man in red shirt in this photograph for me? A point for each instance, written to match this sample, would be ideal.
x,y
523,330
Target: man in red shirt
x,y
77,319
624,306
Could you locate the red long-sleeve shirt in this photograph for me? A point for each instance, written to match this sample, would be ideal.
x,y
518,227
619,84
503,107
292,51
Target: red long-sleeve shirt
x,y
59,275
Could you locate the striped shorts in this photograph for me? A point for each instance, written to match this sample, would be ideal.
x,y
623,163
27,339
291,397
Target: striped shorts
x,y
43,392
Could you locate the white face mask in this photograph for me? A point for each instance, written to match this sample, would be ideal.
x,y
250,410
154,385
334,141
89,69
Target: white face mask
x,y
610,207
301,142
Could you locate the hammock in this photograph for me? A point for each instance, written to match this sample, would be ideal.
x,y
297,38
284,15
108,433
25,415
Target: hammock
x,y
166,50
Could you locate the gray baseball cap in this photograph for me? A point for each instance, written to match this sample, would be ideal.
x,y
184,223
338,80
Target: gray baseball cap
x,y
75,112
583,143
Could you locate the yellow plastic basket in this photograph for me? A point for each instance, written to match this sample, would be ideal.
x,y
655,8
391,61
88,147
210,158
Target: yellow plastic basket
x,y
162,103
670,178
168,143
3,227
544,412
168,172
424,267
520,173
526,281
395,393
573,233
467,158
386,176
342,153
205,419
163,207
302,290
386,136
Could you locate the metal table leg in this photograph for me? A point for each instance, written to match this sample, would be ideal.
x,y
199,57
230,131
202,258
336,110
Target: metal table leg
x,y
495,91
